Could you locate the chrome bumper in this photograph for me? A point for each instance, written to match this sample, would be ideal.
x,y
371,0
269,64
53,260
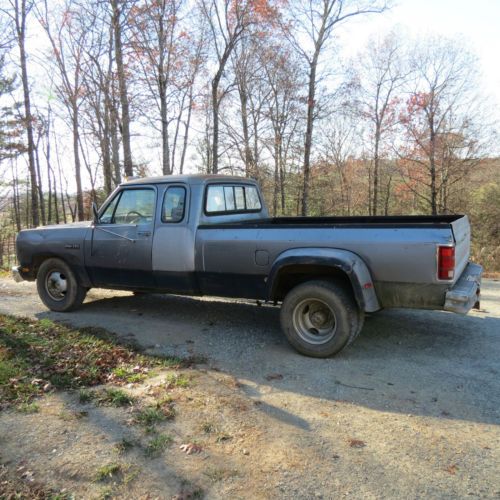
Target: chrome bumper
x,y
466,292
16,274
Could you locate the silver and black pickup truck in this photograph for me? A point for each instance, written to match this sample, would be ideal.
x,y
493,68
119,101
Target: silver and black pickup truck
x,y
212,235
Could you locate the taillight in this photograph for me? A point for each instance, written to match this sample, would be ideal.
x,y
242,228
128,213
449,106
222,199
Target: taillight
x,y
446,263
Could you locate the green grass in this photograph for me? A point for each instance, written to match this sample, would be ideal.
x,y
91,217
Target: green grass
x,y
149,416
126,374
157,445
107,471
178,380
68,359
85,396
114,397
28,408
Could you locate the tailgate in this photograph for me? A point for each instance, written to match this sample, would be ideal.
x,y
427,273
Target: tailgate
x,y
461,234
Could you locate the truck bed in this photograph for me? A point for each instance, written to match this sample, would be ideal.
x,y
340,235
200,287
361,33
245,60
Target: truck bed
x,y
407,221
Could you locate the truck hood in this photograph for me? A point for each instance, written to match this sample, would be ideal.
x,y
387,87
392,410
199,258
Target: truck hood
x,y
85,223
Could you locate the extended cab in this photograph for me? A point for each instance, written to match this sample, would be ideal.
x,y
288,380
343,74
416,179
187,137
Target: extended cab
x,y
212,235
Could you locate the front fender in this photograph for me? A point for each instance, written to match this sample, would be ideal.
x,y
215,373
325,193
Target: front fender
x,y
348,262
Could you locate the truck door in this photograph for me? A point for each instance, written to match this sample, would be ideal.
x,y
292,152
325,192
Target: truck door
x,y
118,249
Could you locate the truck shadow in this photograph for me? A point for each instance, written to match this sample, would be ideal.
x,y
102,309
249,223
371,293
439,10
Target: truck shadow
x,y
411,362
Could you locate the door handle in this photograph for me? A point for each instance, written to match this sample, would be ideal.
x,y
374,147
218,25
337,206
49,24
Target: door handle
x,y
143,233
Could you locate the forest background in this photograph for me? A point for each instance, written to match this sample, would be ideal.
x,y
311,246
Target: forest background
x,y
94,91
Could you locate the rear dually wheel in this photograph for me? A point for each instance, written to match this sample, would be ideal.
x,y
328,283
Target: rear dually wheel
x,y
320,318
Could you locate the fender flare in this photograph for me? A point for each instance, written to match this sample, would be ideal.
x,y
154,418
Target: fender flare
x,y
348,262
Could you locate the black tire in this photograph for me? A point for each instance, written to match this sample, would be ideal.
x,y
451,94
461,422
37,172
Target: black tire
x,y
58,286
320,318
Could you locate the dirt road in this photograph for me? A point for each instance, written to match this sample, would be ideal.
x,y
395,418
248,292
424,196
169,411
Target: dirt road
x,y
410,410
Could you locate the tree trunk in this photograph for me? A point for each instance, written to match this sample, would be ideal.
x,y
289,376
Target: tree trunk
x,y
76,153
21,34
376,162
309,132
186,131
164,132
127,153
215,124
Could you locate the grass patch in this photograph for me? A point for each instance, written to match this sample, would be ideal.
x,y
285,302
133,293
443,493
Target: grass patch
x,y
177,380
108,471
124,445
127,374
157,444
85,396
69,359
149,416
114,397
208,427
28,408
216,474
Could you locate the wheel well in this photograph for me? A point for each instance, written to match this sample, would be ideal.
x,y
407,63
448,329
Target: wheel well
x,y
293,275
38,260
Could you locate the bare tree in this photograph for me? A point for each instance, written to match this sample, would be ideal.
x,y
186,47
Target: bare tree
x,y
19,11
444,121
310,29
67,42
228,23
379,78
119,17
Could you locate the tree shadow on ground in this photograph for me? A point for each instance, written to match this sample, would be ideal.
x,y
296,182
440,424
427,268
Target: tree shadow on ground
x,y
423,363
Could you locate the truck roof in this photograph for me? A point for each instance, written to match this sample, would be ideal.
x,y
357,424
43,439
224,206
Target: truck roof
x,y
188,178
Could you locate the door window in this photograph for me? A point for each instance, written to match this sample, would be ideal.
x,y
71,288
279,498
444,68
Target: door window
x,y
107,216
173,204
135,206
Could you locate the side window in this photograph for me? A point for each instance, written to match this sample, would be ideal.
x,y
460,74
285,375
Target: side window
x,y
174,203
252,198
107,216
231,199
136,206
215,199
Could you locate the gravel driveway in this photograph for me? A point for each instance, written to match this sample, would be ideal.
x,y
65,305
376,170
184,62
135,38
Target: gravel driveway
x,y
410,410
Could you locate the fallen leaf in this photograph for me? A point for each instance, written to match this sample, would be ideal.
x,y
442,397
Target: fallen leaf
x,y
190,448
356,443
451,469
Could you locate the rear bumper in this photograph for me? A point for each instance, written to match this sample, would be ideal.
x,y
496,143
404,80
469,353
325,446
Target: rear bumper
x,y
465,293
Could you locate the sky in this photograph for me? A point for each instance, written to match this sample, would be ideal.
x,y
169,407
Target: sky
x,y
478,21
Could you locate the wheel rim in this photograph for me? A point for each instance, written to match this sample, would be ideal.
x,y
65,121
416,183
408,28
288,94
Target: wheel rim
x,y
56,285
314,321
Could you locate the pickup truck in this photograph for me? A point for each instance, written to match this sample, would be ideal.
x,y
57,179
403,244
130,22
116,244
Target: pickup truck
x,y
212,235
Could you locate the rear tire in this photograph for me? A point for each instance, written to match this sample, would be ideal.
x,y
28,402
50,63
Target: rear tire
x,y
320,318
58,287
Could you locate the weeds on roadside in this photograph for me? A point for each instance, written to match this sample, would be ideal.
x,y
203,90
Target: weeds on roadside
x,y
177,380
28,408
107,471
124,445
70,359
157,444
114,397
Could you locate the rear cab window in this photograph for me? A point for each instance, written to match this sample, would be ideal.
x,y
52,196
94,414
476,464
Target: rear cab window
x,y
231,199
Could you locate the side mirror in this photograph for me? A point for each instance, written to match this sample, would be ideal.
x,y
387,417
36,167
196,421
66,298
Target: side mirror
x,y
95,213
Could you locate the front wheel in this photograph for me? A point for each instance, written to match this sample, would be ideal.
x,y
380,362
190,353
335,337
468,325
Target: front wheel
x,y
58,287
320,318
